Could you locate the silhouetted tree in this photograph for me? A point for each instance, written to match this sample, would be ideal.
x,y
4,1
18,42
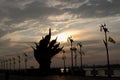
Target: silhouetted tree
x,y
44,52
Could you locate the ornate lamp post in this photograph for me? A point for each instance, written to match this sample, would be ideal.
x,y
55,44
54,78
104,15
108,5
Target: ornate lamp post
x,y
80,45
103,27
71,41
6,64
10,64
74,49
14,63
0,64
64,57
19,61
25,60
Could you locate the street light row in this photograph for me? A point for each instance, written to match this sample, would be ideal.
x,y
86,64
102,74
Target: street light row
x,y
74,55
12,62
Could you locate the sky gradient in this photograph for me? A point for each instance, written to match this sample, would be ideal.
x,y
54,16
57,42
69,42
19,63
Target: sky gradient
x,y
25,21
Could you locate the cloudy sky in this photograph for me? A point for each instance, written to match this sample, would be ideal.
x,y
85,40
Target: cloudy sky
x,y
26,21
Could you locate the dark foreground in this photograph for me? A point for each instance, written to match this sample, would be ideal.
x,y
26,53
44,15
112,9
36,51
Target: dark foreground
x,y
56,77
55,74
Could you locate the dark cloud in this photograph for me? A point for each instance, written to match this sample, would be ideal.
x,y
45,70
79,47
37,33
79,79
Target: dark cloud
x,y
4,42
39,9
36,9
97,8
33,10
8,46
7,29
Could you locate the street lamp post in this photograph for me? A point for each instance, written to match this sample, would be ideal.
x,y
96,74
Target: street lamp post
x,y
103,27
71,41
80,45
6,64
19,61
75,57
25,60
0,64
14,63
64,57
10,63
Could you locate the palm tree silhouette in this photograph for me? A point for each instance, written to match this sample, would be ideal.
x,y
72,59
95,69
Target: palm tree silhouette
x,y
44,51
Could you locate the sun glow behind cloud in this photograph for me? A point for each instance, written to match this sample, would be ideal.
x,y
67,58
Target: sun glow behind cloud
x,y
62,37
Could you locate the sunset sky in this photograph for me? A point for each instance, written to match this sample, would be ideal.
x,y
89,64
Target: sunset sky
x,y
25,21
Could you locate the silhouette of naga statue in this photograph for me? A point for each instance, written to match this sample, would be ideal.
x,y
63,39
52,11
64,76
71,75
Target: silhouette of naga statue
x,y
44,51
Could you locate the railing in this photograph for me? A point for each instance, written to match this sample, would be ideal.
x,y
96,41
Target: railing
x,y
88,72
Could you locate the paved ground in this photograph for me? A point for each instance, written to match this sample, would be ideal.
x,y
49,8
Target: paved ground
x,y
56,77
